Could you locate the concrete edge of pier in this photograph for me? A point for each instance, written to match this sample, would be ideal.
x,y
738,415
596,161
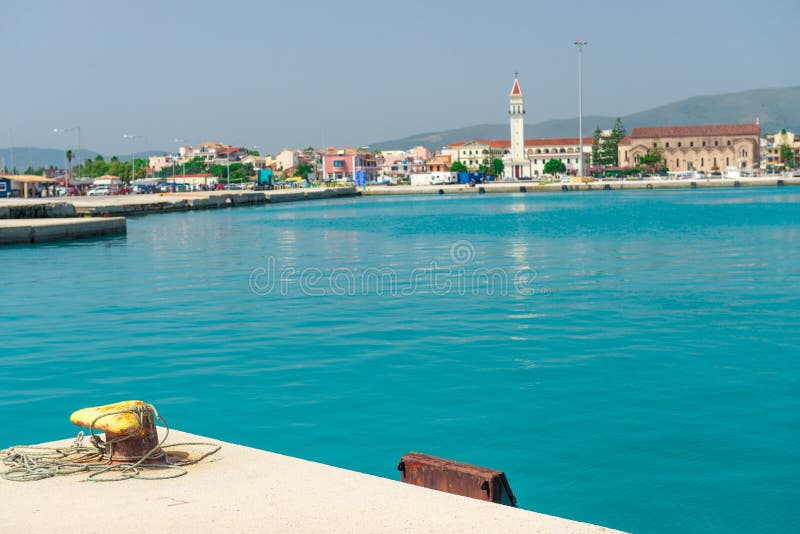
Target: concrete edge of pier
x,y
18,231
131,205
241,489
598,185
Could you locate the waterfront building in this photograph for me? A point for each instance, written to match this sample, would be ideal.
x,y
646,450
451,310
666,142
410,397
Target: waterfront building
x,y
709,148
564,149
421,153
477,152
287,159
771,149
24,185
206,150
536,154
395,163
343,163
160,162
439,163
228,155
401,163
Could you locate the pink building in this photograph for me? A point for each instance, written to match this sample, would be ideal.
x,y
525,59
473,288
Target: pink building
x,y
343,163
420,153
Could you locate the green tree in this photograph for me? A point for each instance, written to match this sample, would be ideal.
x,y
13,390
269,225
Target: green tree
x,y
70,155
609,149
653,160
787,155
596,156
554,166
458,166
498,167
303,170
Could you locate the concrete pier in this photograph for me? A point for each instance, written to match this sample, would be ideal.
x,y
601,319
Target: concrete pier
x,y
125,205
605,185
15,231
240,489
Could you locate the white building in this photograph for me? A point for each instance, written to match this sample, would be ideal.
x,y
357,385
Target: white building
x,y
563,149
287,159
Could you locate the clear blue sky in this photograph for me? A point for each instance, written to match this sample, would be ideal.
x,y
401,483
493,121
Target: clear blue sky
x,y
283,74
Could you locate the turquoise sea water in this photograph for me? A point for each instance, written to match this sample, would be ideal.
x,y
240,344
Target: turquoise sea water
x,y
628,358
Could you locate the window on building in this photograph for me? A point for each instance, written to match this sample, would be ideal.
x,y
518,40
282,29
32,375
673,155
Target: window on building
x,y
729,142
679,144
338,164
677,163
691,144
702,162
716,143
704,143
727,161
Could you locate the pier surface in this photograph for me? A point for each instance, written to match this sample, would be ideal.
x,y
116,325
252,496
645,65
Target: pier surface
x,y
524,186
241,489
15,231
124,205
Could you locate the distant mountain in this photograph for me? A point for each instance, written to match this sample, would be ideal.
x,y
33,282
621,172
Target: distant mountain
x,y
21,156
775,109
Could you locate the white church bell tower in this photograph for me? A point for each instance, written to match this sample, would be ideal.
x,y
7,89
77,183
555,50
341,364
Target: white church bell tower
x,y
516,164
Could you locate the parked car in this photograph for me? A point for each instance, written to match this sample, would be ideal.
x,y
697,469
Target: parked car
x,y
96,191
716,174
61,191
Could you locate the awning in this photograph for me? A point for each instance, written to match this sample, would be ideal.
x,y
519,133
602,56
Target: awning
x,y
28,178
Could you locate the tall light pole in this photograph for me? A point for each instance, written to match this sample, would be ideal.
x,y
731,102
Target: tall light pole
x,y
580,45
178,142
133,153
76,129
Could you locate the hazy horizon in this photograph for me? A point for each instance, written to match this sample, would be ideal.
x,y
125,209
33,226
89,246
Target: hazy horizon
x,y
354,73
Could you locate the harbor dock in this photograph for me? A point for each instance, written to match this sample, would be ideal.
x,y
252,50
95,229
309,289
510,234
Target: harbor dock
x,y
124,205
240,489
17,231
597,185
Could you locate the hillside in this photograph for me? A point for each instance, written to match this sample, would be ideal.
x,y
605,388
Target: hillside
x,y
22,156
775,108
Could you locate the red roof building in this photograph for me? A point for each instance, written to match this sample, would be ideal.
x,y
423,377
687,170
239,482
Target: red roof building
x,y
708,148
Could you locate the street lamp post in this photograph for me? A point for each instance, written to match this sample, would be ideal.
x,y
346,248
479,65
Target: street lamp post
x,y
133,153
580,45
76,129
178,142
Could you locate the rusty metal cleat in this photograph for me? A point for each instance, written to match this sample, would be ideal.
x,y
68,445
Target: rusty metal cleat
x,y
456,477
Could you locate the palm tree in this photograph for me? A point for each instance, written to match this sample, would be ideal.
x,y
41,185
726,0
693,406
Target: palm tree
x,y
69,173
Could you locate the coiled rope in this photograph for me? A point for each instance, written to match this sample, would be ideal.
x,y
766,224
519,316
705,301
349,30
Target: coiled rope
x,y
30,462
